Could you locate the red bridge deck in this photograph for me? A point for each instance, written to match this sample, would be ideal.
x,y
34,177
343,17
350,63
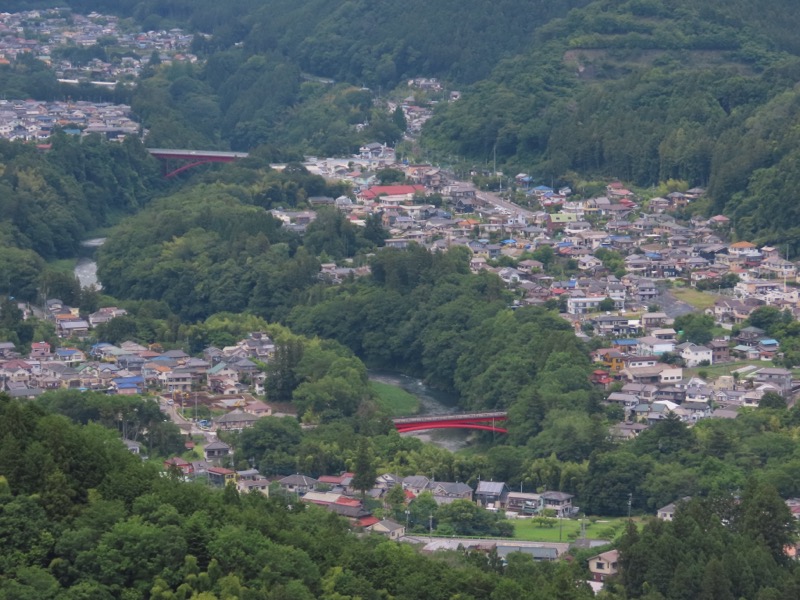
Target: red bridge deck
x,y
196,157
485,421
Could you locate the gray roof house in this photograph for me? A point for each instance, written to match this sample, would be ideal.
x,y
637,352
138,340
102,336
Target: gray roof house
x,y
491,492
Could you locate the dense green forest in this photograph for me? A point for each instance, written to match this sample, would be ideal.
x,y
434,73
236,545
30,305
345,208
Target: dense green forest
x,y
81,517
212,247
50,201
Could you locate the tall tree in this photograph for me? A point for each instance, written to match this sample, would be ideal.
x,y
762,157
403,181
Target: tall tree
x,y
364,467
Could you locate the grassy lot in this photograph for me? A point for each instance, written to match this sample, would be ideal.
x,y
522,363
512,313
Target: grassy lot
x,y
395,400
568,530
700,300
715,371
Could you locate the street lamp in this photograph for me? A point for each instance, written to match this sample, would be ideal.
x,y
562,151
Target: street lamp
x,y
430,525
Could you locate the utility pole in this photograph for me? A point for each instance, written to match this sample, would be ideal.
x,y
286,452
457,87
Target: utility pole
x,y
430,525
630,499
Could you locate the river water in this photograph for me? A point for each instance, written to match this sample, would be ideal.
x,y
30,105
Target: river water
x,y
86,269
432,402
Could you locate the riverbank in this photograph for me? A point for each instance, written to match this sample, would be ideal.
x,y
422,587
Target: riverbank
x,y
395,400
431,402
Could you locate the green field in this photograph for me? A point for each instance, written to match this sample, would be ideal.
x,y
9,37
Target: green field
x,y
696,298
395,400
714,371
568,530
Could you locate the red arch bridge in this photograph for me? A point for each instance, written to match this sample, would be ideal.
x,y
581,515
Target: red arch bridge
x,y
192,158
485,421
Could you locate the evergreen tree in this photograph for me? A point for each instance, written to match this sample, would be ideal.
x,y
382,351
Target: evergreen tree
x,y
364,467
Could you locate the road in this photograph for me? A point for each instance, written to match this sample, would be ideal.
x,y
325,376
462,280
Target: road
x,y
499,202
434,543
187,426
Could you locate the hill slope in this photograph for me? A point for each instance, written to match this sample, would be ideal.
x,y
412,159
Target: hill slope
x,y
649,90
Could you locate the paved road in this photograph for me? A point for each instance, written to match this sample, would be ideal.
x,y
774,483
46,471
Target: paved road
x,y
187,426
495,199
434,543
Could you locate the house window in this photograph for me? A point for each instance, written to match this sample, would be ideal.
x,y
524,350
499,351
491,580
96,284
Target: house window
x,y
600,566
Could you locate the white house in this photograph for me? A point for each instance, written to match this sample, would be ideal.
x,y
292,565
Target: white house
x,y
693,354
651,345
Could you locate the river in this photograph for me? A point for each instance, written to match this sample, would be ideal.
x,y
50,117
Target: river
x,y
86,269
432,402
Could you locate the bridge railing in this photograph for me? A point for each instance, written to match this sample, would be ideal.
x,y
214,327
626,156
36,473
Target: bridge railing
x,y
452,417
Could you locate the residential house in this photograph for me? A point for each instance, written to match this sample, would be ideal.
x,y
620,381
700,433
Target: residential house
x,y
768,348
491,492
216,451
604,565
613,325
658,374
625,401
177,464
670,393
720,351
416,484
445,492
750,336
780,378
651,345
654,320
220,476
731,310
626,431
584,305
17,371
298,484
694,355
667,333
104,315
643,391
72,328
39,351
695,411
523,502
175,380
667,513
69,356
389,528
560,502
260,485
258,408
236,420
612,359
776,267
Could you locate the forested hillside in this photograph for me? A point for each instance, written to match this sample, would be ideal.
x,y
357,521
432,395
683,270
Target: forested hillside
x,y
647,91
643,90
49,201
82,518
213,247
